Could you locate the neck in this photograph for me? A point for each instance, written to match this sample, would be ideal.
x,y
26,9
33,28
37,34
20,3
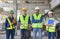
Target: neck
x,y
37,12
50,17
11,16
24,14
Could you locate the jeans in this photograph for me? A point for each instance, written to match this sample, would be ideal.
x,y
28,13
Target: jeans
x,y
35,30
51,35
24,34
10,32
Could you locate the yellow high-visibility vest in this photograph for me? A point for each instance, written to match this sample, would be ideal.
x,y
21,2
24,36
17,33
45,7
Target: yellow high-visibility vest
x,y
37,25
11,26
50,28
24,22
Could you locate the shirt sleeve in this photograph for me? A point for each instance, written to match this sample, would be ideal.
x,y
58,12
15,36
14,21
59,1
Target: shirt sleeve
x,y
55,22
19,20
45,23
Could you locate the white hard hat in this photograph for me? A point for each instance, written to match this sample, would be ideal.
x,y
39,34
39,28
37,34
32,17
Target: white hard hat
x,y
50,12
36,8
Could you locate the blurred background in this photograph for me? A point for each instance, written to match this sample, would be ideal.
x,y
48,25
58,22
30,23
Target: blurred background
x,y
6,5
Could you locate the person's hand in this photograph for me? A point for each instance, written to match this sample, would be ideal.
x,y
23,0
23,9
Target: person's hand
x,y
46,24
29,27
14,21
50,25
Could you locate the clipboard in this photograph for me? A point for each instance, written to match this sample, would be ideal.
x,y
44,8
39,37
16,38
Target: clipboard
x,y
50,21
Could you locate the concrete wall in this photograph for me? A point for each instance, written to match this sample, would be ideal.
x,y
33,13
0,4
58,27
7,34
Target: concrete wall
x,y
31,7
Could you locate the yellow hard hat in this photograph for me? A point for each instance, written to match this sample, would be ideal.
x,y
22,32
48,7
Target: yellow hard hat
x,y
24,9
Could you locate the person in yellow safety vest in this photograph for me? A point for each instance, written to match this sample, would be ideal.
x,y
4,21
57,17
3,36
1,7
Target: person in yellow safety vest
x,y
10,25
24,21
50,25
37,23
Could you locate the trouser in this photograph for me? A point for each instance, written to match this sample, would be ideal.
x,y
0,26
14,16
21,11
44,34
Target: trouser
x,y
51,35
10,33
24,34
29,33
35,30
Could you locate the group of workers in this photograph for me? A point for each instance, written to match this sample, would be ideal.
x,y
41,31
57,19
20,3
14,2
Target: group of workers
x,y
25,24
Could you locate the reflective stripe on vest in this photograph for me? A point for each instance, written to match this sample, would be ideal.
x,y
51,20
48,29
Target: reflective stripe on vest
x,y
11,26
50,28
37,25
24,22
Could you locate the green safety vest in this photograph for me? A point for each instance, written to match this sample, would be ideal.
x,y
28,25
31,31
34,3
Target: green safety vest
x,y
50,28
37,25
24,22
11,26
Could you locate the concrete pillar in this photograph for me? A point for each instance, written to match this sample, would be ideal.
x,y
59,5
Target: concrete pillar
x,y
15,7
